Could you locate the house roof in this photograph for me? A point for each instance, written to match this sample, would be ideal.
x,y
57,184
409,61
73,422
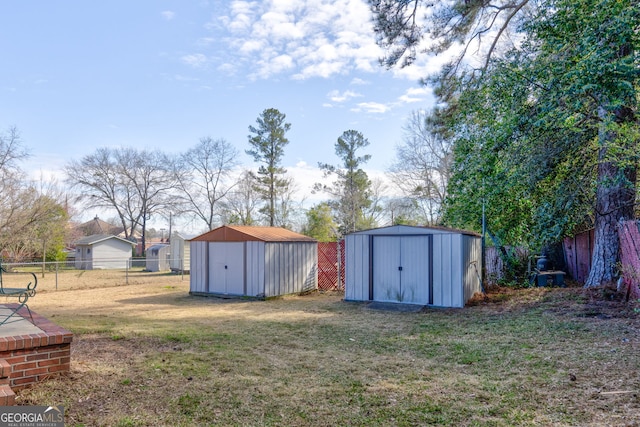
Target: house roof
x,y
97,238
245,233
98,226
412,229
183,236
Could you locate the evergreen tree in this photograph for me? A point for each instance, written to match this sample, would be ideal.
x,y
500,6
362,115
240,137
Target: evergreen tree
x,y
352,191
268,141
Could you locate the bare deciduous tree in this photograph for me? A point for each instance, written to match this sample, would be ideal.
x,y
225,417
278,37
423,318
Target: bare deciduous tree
x,y
28,211
242,202
136,184
203,176
423,165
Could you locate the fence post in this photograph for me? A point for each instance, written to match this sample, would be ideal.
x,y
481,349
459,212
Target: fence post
x,y
57,262
339,255
126,270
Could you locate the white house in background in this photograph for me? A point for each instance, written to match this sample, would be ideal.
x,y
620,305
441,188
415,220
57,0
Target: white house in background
x,y
103,251
413,265
158,257
180,251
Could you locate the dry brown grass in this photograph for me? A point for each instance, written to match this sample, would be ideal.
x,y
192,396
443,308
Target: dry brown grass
x,y
148,354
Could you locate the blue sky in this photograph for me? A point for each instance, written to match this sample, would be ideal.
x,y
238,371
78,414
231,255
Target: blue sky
x,y
78,75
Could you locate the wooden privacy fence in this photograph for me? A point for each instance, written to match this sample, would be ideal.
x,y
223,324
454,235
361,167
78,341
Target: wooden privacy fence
x,y
578,250
331,265
629,236
494,264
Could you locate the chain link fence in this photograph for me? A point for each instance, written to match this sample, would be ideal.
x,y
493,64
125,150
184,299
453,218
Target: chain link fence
x,y
64,275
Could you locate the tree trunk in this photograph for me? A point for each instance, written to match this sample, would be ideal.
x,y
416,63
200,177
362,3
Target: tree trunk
x,y
615,198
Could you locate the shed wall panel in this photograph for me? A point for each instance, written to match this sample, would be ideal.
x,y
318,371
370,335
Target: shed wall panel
x,y
180,256
357,267
111,254
310,272
255,268
198,275
457,271
290,268
186,257
270,269
441,271
447,270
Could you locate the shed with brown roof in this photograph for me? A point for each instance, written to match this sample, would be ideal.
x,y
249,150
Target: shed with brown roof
x,y
260,262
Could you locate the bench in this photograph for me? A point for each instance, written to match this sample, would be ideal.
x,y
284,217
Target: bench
x,y
22,293
550,278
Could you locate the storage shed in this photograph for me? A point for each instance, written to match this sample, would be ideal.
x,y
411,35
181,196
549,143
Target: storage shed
x,y
250,261
158,257
180,250
103,251
413,265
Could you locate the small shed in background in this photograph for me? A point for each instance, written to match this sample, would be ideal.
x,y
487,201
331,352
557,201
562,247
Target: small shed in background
x,y
250,261
413,265
103,251
158,258
180,252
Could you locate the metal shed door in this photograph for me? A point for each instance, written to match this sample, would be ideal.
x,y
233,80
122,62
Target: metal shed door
x,y
226,268
401,269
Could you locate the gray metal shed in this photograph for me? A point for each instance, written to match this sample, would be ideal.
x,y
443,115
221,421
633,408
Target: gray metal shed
x,y
413,265
158,257
259,262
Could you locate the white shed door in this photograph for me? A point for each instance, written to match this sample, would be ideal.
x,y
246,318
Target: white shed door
x,y
226,268
401,269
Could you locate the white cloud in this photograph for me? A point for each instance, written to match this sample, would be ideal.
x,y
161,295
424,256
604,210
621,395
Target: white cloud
x,y
319,38
371,107
168,15
227,68
359,81
195,60
417,94
305,176
336,96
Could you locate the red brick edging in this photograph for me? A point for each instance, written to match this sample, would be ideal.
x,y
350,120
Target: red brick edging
x,y
35,357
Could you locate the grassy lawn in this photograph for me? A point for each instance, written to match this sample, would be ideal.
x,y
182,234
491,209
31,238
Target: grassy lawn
x,y
148,354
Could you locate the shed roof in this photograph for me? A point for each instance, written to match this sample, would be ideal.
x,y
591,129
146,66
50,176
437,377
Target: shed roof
x,y
412,229
157,246
97,238
245,233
